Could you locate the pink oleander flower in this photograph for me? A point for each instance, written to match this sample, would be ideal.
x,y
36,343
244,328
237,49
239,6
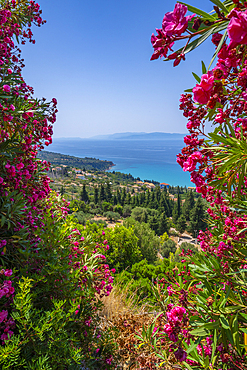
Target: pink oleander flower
x,y
175,22
8,273
3,243
176,314
237,28
6,88
19,166
161,44
216,38
3,315
180,354
7,336
202,91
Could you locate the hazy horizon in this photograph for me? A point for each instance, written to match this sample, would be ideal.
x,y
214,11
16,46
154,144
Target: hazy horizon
x,y
121,134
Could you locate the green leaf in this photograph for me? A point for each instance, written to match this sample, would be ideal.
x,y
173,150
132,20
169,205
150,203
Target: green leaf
x,y
187,365
188,90
193,346
220,5
206,361
230,337
224,322
218,48
204,69
200,332
214,345
230,309
194,44
226,298
196,77
235,332
244,315
205,15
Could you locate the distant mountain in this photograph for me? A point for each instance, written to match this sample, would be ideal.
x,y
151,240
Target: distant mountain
x,y
139,136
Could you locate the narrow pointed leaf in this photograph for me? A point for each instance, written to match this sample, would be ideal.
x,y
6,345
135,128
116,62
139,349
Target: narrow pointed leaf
x,y
205,15
218,48
204,69
196,77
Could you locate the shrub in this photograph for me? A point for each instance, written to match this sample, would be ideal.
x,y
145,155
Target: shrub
x,y
169,246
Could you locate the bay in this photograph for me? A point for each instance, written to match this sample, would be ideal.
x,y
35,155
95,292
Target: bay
x,y
147,159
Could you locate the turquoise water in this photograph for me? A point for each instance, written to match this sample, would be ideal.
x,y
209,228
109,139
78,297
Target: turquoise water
x,y
147,159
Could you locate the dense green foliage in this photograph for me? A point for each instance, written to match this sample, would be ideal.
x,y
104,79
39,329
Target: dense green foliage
x,y
58,159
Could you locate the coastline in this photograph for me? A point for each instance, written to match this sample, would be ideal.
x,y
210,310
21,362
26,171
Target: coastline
x,y
146,159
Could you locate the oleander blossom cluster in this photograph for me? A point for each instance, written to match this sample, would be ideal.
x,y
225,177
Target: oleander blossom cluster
x,y
217,86
26,200
176,321
174,25
218,100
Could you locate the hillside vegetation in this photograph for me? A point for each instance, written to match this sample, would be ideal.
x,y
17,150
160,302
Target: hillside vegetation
x,y
97,271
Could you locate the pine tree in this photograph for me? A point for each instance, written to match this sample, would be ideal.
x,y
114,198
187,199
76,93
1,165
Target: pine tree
x,y
157,193
154,224
84,194
188,204
181,224
163,224
147,197
163,206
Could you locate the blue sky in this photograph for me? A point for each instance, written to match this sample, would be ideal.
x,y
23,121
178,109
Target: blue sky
x,y
94,57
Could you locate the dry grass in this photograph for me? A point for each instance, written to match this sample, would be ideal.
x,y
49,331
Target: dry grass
x,y
118,303
128,317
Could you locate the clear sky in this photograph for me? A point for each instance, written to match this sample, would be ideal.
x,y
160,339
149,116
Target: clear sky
x,y
94,57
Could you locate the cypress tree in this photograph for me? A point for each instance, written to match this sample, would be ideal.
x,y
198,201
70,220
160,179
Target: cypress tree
x,y
197,218
115,202
102,193
96,195
84,194
108,195
123,197
137,201
118,196
128,199
179,203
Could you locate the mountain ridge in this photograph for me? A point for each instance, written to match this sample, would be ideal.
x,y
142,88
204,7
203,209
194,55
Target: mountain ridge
x,y
133,136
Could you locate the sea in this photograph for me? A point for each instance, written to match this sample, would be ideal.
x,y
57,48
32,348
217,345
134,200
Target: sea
x,y
146,159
